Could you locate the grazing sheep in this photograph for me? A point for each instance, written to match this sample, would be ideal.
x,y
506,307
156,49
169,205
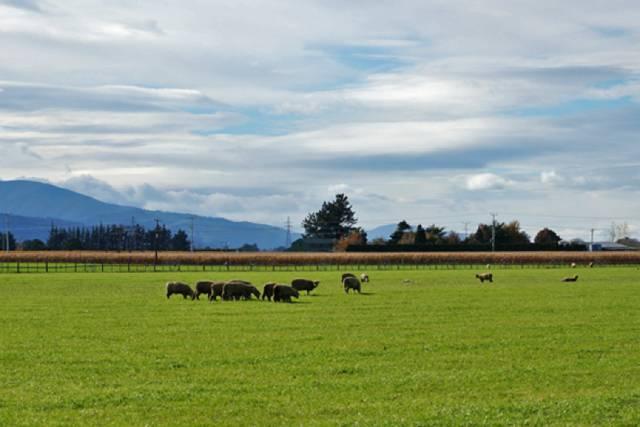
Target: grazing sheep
x,y
267,291
485,276
239,289
180,288
345,275
216,291
351,283
573,265
364,277
203,287
571,279
284,293
304,284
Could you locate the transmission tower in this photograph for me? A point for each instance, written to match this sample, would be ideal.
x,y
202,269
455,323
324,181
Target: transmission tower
x,y
288,238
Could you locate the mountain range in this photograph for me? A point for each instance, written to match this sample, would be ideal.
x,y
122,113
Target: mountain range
x,y
33,206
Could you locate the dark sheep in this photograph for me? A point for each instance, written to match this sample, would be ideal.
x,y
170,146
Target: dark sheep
x,y
345,275
267,291
216,291
571,279
485,276
284,293
236,290
203,287
351,283
180,288
304,285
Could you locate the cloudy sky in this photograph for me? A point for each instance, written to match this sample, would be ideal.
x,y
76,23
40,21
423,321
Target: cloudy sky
x,y
431,111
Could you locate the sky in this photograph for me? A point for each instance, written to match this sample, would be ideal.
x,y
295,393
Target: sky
x,y
430,111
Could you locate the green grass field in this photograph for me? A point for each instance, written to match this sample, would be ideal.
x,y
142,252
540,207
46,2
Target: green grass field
x,y
109,349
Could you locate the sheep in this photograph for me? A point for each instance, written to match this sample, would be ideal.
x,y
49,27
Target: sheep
x,y
364,277
351,283
345,275
203,287
239,289
216,291
180,288
267,291
573,265
591,264
571,279
485,276
304,284
284,293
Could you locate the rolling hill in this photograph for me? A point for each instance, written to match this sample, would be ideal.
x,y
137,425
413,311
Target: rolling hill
x,y
39,203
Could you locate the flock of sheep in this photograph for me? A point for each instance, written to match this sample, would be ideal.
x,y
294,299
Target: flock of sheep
x,y
241,289
277,292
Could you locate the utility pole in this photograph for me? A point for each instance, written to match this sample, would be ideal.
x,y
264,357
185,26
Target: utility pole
x,y
493,231
192,235
288,238
591,246
156,234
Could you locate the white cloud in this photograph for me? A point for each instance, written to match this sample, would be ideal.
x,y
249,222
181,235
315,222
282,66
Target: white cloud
x,y
486,181
550,177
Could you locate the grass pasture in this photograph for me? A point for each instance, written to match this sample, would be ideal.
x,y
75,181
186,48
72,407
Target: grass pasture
x,y
109,349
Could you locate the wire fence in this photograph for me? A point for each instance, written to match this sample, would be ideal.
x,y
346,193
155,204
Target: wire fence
x,y
76,267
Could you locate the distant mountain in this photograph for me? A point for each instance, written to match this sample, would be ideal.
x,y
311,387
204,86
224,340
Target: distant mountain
x,y
383,231
42,201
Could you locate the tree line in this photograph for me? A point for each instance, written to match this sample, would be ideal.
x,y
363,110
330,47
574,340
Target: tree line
x,y
333,227
110,238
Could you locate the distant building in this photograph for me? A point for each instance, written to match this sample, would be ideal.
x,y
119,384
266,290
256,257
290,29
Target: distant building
x,y
610,246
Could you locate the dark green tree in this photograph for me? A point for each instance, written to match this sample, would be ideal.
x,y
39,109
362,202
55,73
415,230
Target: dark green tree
x,y
546,236
34,245
3,242
421,235
435,234
505,234
334,220
402,227
180,241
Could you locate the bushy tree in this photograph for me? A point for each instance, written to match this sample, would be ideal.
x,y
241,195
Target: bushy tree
x,y
421,236
452,238
546,236
505,233
3,241
334,220
402,227
357,237
180,241
34,245
435,234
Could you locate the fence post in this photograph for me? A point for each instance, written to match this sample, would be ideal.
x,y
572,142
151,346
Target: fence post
x,y
18,267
